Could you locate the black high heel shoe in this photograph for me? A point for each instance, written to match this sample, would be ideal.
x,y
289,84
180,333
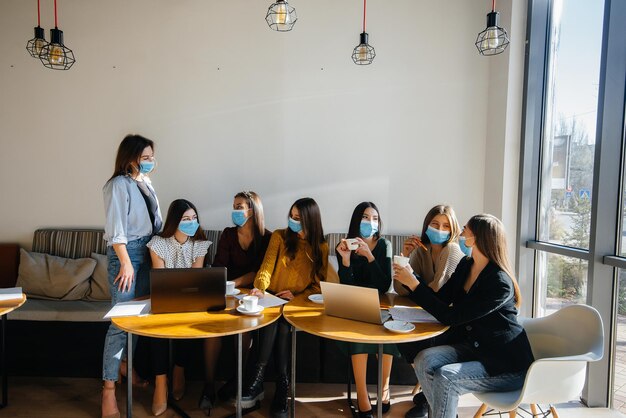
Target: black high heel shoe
x,y
207,400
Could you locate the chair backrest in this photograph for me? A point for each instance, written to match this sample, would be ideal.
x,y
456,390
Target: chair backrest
x,y
574,330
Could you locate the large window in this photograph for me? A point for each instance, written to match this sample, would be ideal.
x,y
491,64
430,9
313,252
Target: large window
x,y
572,206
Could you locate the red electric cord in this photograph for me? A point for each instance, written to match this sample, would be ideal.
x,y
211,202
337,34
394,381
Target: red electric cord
x,y
55,14
493,5
38,14
364,13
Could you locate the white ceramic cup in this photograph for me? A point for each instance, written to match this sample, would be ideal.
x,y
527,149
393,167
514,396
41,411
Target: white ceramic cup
x,y
352,243
249,303
401,260
230,287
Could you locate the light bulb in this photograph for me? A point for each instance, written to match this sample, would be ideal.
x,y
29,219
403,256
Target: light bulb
x,y
39,44
282,14
56,55
491,39
362,53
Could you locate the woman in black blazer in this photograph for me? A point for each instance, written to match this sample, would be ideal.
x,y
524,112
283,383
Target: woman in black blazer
x,y
485,349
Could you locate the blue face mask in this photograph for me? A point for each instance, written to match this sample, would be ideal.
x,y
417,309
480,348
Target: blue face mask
x,y
466,250
239,217
367,228
294,225
436,236
189,228
146,166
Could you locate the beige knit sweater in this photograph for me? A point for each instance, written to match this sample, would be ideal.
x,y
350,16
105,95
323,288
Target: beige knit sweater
x,y
435,274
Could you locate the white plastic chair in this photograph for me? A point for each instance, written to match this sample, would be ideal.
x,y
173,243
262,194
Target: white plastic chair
x,y
562,344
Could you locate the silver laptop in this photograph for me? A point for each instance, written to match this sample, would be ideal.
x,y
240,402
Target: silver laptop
x,y
353,302
187,290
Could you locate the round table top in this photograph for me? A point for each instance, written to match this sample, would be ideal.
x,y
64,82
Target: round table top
x,y
197,324
10,305
309,317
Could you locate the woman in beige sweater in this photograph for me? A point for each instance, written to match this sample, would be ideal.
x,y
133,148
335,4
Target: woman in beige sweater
x,y
435,254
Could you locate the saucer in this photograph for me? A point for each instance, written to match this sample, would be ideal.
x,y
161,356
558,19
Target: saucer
x,y
244,311
235,292
317,298
399,326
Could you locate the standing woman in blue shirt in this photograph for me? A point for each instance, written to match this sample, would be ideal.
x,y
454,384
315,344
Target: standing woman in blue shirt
x,y
132,217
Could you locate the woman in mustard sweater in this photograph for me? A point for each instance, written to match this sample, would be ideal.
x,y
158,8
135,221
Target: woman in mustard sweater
x,y
295,262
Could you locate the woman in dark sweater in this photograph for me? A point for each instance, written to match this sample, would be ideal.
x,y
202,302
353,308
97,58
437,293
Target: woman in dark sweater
x,y
485,349
369,265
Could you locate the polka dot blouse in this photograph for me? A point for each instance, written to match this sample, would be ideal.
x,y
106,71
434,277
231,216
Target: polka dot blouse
x,y
177,255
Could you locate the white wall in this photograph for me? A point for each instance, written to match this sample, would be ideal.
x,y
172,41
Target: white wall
x,y
233,105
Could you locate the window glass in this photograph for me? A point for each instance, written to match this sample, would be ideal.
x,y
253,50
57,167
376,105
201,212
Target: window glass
x,y
562,281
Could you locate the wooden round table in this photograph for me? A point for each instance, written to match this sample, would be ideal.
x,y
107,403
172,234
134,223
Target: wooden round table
x,y
7,306
195,325
309,317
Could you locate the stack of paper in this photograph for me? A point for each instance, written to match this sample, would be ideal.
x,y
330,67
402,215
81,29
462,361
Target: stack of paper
x,y
410,314
268,301
132,308
11,293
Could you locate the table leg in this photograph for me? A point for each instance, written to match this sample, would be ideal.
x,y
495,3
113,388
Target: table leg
x,y
239,372
379,400
129,375
292,412
5,380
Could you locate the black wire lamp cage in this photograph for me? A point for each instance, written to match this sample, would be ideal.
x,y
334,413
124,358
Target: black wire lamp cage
x,y
281,16
493,40
56,55
363,53
35,45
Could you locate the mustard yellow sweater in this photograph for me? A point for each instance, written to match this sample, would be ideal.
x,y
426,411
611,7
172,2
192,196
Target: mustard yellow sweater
x,y
279,272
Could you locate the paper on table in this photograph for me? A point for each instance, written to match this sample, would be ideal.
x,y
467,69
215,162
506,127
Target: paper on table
x,y
132,308
11,293
268,301
410,314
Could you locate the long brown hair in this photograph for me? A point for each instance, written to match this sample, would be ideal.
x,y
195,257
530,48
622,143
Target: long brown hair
x,y
174,214
311,221
490,239
129,152
455,229
254,203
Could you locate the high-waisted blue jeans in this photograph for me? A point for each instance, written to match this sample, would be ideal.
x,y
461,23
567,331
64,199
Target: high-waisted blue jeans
x,y
449,371
115,341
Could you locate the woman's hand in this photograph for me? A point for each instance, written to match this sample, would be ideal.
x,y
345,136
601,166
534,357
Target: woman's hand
x,y
405,276
344,252
285,294
364,250
125,277
410,244
257,292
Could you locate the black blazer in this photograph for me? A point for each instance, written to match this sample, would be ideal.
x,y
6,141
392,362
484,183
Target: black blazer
x,y
485,317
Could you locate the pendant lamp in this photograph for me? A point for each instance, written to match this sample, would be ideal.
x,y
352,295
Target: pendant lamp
x,y
56,55
364,53
493,40
35,45
281,16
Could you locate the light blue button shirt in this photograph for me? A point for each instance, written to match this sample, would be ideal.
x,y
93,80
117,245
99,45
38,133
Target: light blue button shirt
x,y
127,217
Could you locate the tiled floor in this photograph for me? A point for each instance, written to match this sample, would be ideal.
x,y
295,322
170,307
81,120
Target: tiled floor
x,y
74,398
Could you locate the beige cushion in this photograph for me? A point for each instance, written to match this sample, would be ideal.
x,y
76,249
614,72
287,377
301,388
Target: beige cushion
x,y
99,283
45,276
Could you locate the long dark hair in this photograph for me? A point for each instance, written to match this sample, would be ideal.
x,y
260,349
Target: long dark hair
x,y
357,216
490,239
254,203
129,152
455,229
311,221
174,214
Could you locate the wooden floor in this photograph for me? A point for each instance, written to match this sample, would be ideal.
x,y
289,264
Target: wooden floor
x,y
74,398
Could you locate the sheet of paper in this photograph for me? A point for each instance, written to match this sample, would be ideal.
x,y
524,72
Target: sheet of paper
x,y
411,314
268,301
11,293
132,308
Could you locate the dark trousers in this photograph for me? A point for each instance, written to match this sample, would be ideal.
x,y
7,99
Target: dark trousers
x,y
276,338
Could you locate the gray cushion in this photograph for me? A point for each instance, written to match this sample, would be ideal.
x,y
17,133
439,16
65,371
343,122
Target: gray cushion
x,y
48,277
99,283
61,310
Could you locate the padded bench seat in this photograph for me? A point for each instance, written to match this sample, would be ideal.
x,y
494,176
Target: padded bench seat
x,y
61,310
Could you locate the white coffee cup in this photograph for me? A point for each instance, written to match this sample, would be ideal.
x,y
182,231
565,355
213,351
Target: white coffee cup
x,y
230,287
249,303
352,243
401,260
